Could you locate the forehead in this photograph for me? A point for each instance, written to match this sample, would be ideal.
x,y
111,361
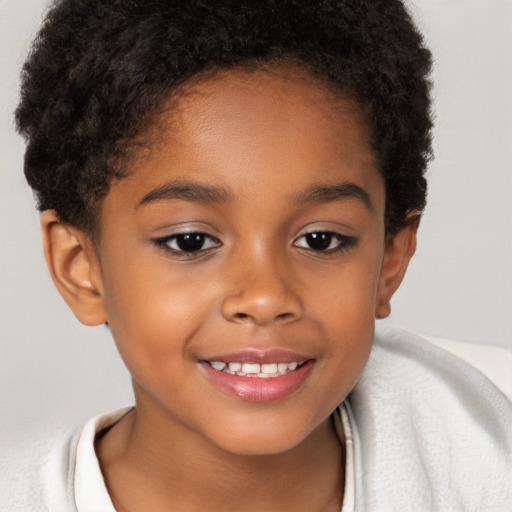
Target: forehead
x,y
249,132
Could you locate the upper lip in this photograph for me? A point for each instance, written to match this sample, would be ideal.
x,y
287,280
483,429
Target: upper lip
x,y
260,356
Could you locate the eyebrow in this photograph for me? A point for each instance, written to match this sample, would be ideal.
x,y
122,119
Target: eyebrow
x,y
212,194
327,193
186,192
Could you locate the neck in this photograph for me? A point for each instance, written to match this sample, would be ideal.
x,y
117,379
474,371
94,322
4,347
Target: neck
x,y
149,463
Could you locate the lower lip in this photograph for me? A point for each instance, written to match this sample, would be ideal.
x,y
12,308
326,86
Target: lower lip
x,y
254,389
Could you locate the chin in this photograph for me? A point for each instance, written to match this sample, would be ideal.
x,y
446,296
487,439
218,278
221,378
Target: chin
x,y
260,438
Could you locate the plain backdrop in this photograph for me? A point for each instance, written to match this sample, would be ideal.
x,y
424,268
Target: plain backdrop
x,y
54,371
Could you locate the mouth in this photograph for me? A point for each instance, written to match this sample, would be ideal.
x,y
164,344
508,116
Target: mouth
x,y
255,370
270,379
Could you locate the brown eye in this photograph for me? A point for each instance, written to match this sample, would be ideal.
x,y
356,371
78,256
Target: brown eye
x,y
319,241
188,243
325,241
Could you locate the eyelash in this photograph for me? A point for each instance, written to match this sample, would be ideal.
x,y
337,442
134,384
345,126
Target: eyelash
x,y
166,241
344,242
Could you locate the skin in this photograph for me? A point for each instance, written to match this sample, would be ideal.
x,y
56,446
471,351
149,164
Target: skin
x,y
265,139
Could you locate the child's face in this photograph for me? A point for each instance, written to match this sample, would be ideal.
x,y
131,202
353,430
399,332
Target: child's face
x,y
271,186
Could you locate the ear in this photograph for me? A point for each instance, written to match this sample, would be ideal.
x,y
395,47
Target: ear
x,y
400,248
74,267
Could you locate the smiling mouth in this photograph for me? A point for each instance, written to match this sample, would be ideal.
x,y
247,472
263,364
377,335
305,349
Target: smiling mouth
x,y
273,377
255,370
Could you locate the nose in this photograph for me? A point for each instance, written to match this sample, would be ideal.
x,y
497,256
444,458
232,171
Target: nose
x,y
261,294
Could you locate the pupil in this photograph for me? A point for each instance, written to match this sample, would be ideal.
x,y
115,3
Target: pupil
x,y
319,241
190,242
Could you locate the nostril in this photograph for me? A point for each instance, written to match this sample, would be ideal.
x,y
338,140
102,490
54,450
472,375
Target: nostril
x,y
261,307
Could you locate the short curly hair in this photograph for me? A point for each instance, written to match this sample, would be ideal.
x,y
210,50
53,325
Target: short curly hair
x,y
101,70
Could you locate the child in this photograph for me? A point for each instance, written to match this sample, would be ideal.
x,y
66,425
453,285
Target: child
x,y
235,188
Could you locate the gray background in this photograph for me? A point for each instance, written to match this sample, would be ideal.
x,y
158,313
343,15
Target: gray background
x,y
54,371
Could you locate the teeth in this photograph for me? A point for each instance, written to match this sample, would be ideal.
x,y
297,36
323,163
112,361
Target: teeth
x,y
282,367
251,368
235,367
262,371
269,368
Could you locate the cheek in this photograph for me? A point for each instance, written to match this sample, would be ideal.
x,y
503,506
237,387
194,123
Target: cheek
x,y
349,325
346,295
344,306
153,315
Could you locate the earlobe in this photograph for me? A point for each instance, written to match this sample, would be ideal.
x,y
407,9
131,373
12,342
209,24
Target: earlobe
x,y
74,268
400,248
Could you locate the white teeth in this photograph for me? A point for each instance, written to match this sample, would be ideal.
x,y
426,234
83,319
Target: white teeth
x,y
251,368
235,367
269,368
282,367
262,371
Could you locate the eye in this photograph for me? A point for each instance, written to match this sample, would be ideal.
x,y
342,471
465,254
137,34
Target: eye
x,y
188,243
325,241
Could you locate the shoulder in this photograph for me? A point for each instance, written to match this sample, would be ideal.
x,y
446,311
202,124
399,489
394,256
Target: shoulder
x,y
58,473
39,477
446,364
432,430
493,361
